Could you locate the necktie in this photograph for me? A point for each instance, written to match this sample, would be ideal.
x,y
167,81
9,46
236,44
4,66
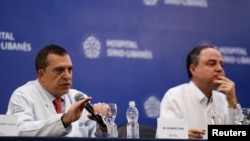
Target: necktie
x,y
57,103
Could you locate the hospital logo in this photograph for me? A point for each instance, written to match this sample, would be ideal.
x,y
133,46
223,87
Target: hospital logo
x,y
150,2
152,107
91,47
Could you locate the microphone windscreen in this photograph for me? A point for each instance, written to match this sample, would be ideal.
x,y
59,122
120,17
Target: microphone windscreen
x,y
79,96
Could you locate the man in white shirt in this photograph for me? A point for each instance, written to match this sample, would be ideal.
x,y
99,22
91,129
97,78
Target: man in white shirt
x,y
33,102
209,97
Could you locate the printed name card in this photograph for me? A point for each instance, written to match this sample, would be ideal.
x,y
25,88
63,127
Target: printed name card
x,y
8,125
172,128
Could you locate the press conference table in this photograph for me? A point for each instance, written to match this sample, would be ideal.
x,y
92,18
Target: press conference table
x,y
82,139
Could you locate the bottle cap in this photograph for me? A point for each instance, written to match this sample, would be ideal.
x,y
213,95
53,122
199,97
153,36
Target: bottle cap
x,y
131,103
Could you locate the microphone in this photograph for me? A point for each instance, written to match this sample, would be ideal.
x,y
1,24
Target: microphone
x,y
90,109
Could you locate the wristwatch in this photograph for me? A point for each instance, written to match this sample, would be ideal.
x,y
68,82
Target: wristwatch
x,y
65,125
238,106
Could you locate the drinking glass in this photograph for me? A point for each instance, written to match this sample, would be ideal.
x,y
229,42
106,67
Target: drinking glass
x,y
109,112
217,116
246,116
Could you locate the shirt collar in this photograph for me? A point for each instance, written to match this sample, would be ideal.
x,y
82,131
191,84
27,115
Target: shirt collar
x,y
199,94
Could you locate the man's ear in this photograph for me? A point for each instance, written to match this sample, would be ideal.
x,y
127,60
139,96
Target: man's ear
x,y
40,74
192,69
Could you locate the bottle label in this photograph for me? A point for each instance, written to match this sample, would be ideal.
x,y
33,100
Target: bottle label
x,y
133,131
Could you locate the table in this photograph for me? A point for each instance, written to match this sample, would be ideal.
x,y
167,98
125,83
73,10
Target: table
x,y
82,139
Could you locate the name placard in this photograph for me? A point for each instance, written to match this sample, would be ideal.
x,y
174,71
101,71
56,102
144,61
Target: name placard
x,y
8,125
172,128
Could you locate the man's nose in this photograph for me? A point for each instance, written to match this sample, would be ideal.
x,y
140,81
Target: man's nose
x,y
67,75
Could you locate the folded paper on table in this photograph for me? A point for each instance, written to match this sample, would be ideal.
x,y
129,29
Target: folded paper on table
x,y
172,128
8,125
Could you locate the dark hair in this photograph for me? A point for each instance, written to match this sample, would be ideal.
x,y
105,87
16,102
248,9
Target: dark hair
x,y
193,56
41,58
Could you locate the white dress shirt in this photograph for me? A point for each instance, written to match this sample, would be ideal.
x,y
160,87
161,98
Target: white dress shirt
x,y
186,101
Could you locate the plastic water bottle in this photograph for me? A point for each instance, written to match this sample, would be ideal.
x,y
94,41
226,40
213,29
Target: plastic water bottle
x,y
132,118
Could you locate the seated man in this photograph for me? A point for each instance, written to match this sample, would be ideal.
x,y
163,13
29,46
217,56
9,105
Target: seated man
x,y
208,89
46,106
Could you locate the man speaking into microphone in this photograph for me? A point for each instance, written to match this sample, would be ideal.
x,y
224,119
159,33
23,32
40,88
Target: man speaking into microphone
x,y
47,106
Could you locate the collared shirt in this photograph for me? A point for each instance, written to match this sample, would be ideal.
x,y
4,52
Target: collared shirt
x,y
186,101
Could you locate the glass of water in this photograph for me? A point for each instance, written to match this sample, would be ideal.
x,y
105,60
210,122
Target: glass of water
x,y
109,112
217,116
246,116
